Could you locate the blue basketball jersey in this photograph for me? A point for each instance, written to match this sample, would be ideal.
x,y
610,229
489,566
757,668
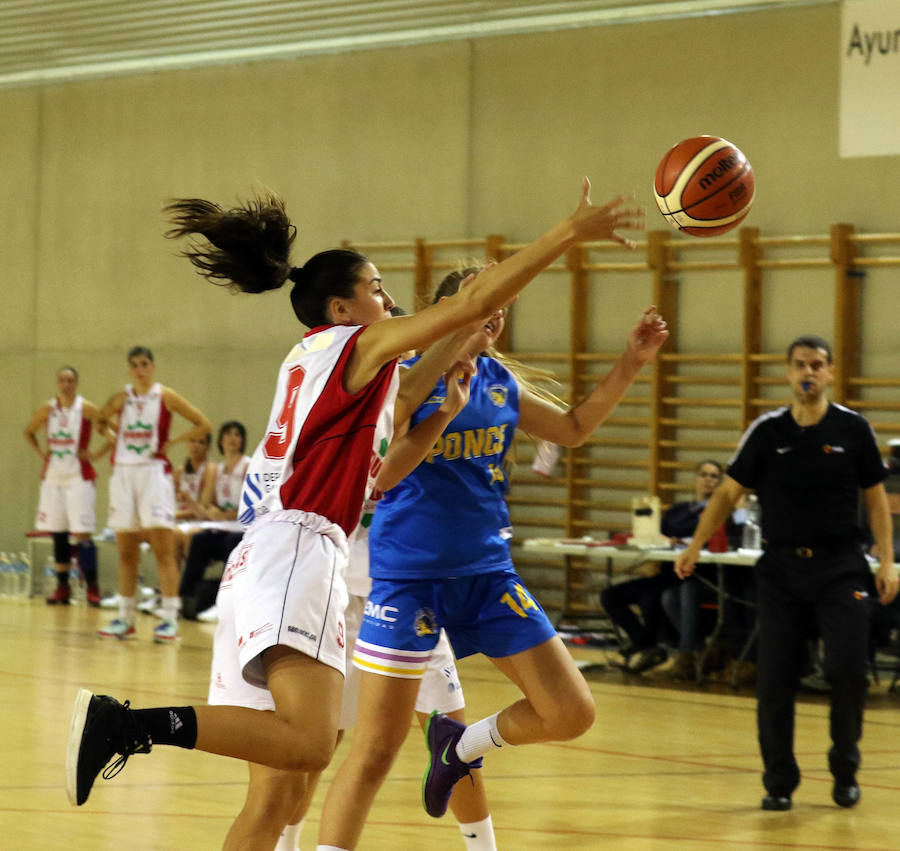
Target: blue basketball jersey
x,y
449,516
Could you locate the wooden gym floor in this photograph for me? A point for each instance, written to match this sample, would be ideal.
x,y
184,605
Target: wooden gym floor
x,y
664,767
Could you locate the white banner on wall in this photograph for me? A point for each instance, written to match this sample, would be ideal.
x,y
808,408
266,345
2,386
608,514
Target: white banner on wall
x,y
870,78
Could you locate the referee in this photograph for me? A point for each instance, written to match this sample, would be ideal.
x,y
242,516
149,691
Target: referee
x,y
807,463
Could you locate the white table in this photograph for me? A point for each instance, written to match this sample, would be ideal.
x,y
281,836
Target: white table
x,y
628,557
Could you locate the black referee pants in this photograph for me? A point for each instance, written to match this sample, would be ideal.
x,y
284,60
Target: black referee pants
x,y
796,595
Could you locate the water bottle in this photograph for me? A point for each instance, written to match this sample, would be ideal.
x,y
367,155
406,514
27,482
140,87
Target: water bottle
x,y
24,576
751,537
546,458
49,577
6,576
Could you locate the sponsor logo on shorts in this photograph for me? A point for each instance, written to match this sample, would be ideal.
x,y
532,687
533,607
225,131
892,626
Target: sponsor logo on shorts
x,y
266,627
381,613
425,622
237,563
340,635
298,631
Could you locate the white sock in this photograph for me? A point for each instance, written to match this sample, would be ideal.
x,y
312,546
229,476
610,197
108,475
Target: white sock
x,y
330,848
479,738
170,608
127,608
290,837
479,835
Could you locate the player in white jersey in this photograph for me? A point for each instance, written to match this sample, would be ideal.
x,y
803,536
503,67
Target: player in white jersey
x,y
67,481
327,432
142,490
189,480
188,491
221,531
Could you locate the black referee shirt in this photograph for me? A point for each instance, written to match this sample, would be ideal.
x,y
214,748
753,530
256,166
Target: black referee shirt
x,y
808,478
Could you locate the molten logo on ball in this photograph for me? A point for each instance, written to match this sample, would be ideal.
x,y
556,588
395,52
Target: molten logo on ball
x,y
723,166
704,186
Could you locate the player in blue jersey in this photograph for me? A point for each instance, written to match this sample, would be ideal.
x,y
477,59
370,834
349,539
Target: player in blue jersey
x,y
439,557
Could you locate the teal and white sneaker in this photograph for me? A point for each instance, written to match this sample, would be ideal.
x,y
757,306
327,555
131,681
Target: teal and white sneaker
x,y
165,633
117,628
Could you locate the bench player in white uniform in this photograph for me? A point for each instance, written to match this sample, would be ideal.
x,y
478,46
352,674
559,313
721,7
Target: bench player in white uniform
x,y
189,480
217,536
305,491
188,489
67,481
142,491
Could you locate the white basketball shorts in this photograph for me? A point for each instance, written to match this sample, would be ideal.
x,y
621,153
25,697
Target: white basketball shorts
x,y
66,505
141,496
283,585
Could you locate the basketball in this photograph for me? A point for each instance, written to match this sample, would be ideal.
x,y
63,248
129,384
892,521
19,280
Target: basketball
x,y
704,186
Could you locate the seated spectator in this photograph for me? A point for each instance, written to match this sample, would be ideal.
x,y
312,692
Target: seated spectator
x,y
683,603
645,648
189,481
221,532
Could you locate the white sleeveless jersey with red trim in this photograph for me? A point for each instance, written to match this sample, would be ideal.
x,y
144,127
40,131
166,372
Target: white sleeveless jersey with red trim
x,y
229,485
191,484
68,432
144,423
323,447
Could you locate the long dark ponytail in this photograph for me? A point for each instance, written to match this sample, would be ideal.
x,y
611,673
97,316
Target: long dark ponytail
x,y
249,249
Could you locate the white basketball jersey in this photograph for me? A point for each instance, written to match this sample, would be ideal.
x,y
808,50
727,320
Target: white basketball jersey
x,y
228,485
192,483
68,432
323,447
144,423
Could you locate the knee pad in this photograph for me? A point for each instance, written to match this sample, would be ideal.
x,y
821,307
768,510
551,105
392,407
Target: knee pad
x,y
62,552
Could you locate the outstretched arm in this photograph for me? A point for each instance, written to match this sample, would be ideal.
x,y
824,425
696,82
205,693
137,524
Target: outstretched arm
x,y
494,288
573,427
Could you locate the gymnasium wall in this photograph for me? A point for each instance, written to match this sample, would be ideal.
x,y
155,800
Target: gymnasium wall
x,y
443,140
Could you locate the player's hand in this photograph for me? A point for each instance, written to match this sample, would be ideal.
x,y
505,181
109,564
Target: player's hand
x,y
686,562
648,335
887,583
457,381
592,222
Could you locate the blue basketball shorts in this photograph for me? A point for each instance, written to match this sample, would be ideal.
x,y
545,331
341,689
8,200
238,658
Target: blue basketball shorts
x,y
490,613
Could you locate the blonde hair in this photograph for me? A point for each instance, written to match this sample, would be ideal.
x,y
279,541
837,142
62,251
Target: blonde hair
x,y
529,378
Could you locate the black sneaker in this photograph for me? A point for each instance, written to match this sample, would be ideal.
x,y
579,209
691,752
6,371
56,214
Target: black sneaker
x,y
846,794
101,728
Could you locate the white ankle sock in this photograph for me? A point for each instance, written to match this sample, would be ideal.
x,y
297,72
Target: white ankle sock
x,y
127,608
479,835
330,848
479,738
290,837
170,608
